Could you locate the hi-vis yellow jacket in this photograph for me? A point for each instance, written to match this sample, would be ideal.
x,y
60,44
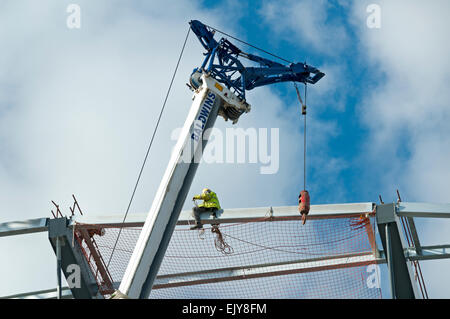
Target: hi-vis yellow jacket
x,y
210,200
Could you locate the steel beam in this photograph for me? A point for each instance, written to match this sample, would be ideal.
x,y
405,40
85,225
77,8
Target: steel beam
x,y
24,227
284,268
403,284
239,215
58,268
60,235
429,252
42,294
390,261
423,210
262,270
414,235
265,270
409,210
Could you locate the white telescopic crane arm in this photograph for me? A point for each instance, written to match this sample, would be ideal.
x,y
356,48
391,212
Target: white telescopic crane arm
x,y
209,100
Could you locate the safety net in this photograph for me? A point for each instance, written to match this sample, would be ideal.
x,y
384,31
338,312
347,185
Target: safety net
x,y
260,258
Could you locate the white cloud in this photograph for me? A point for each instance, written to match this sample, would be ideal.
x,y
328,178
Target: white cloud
x,y
409,109
405,109
312,24
307,22
78,108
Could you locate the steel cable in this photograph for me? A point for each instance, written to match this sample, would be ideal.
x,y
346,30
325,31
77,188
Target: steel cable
x,y
250,45
150,144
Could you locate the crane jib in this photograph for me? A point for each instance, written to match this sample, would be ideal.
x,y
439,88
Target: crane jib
x,y
203,116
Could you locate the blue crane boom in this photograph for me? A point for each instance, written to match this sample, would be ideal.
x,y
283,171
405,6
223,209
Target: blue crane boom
x,y
222,62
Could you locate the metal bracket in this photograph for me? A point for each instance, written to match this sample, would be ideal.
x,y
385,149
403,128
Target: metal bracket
x,y
401,275
59,231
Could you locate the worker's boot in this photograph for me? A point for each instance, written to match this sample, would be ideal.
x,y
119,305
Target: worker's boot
x,y
197,226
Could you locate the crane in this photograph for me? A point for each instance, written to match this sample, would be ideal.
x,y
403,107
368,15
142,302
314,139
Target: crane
x,y
219,87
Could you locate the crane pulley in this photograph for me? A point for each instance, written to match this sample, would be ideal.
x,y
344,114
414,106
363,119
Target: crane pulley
x,y
303,198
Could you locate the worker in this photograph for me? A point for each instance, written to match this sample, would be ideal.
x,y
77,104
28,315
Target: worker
x,y
210,204
303,204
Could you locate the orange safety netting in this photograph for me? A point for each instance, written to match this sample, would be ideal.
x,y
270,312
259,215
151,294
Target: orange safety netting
x,y
264,258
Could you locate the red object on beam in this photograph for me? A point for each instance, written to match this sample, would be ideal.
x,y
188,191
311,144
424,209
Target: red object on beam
x,y
303,204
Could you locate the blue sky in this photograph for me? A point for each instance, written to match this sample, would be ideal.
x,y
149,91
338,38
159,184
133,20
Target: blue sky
x,y
77,108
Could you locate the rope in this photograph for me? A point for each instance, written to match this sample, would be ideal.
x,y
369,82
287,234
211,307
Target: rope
x,y
220,243
295,84
361,222
303,105
150,145
304,142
